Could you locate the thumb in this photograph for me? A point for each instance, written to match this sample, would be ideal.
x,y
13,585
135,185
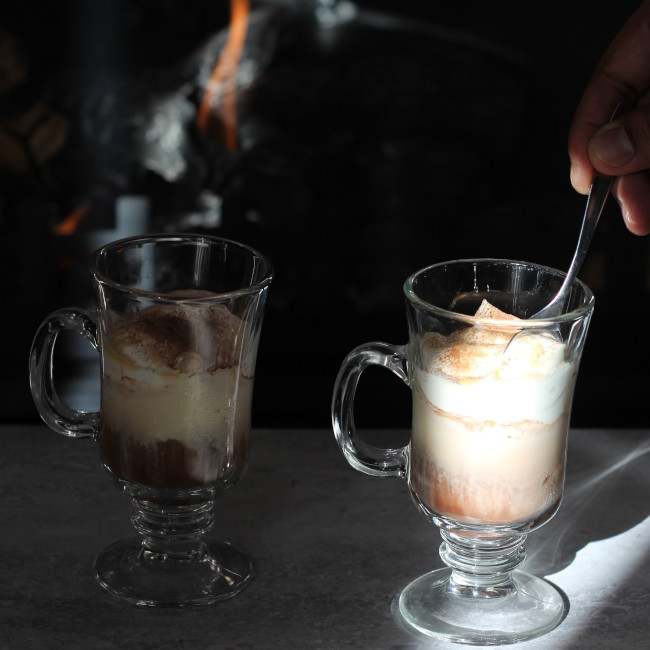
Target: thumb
x,y
623,146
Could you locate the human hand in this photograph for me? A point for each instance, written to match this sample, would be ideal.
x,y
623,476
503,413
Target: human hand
x,y
620,148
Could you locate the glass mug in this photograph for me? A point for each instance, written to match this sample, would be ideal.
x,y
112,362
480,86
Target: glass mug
x,y
177,326
491,398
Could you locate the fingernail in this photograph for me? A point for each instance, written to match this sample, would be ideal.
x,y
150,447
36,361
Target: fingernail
x,y
612,146
577,179
573,175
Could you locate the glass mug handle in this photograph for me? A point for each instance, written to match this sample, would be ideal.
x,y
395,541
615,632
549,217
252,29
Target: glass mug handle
x,y
55,413
362,456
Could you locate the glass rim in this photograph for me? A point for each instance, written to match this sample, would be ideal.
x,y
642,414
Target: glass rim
x,y
569,316
195,238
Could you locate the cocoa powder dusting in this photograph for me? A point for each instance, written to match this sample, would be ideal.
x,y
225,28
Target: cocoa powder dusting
x,y
164,335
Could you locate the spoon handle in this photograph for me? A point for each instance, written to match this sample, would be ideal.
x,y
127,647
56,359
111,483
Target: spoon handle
x,y
598,193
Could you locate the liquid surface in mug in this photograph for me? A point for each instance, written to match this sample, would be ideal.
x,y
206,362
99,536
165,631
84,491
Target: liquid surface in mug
x,y
490,422
176,395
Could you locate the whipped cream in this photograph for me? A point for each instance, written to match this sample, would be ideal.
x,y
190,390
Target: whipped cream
x,y
483,374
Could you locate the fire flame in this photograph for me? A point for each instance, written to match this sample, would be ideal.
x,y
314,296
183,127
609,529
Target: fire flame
x,y
70,224
221,88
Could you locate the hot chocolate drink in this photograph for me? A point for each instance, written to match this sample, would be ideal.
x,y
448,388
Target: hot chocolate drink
x,y
490,420
176,395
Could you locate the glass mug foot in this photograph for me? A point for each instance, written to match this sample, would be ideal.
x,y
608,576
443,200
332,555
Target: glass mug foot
x,y
524,608
213,572
172,562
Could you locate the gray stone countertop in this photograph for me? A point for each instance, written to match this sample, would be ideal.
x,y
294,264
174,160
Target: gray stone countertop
x,y
332,549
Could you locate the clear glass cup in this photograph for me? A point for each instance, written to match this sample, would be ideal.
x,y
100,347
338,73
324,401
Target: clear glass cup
x,y
177,326
486,459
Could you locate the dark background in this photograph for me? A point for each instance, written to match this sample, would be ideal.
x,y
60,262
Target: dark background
x,y
418,132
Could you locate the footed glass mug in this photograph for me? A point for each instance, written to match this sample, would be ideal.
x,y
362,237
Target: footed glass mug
x,y
177,326
492,398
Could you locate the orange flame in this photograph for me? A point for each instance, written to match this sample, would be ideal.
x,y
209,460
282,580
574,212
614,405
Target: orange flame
x,y
222,86
70,224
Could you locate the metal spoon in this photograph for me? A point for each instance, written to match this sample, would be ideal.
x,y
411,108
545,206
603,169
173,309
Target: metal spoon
x,y
598,193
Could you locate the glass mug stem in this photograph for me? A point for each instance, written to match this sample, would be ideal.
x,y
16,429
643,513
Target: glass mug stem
x,y
171,532
483,565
